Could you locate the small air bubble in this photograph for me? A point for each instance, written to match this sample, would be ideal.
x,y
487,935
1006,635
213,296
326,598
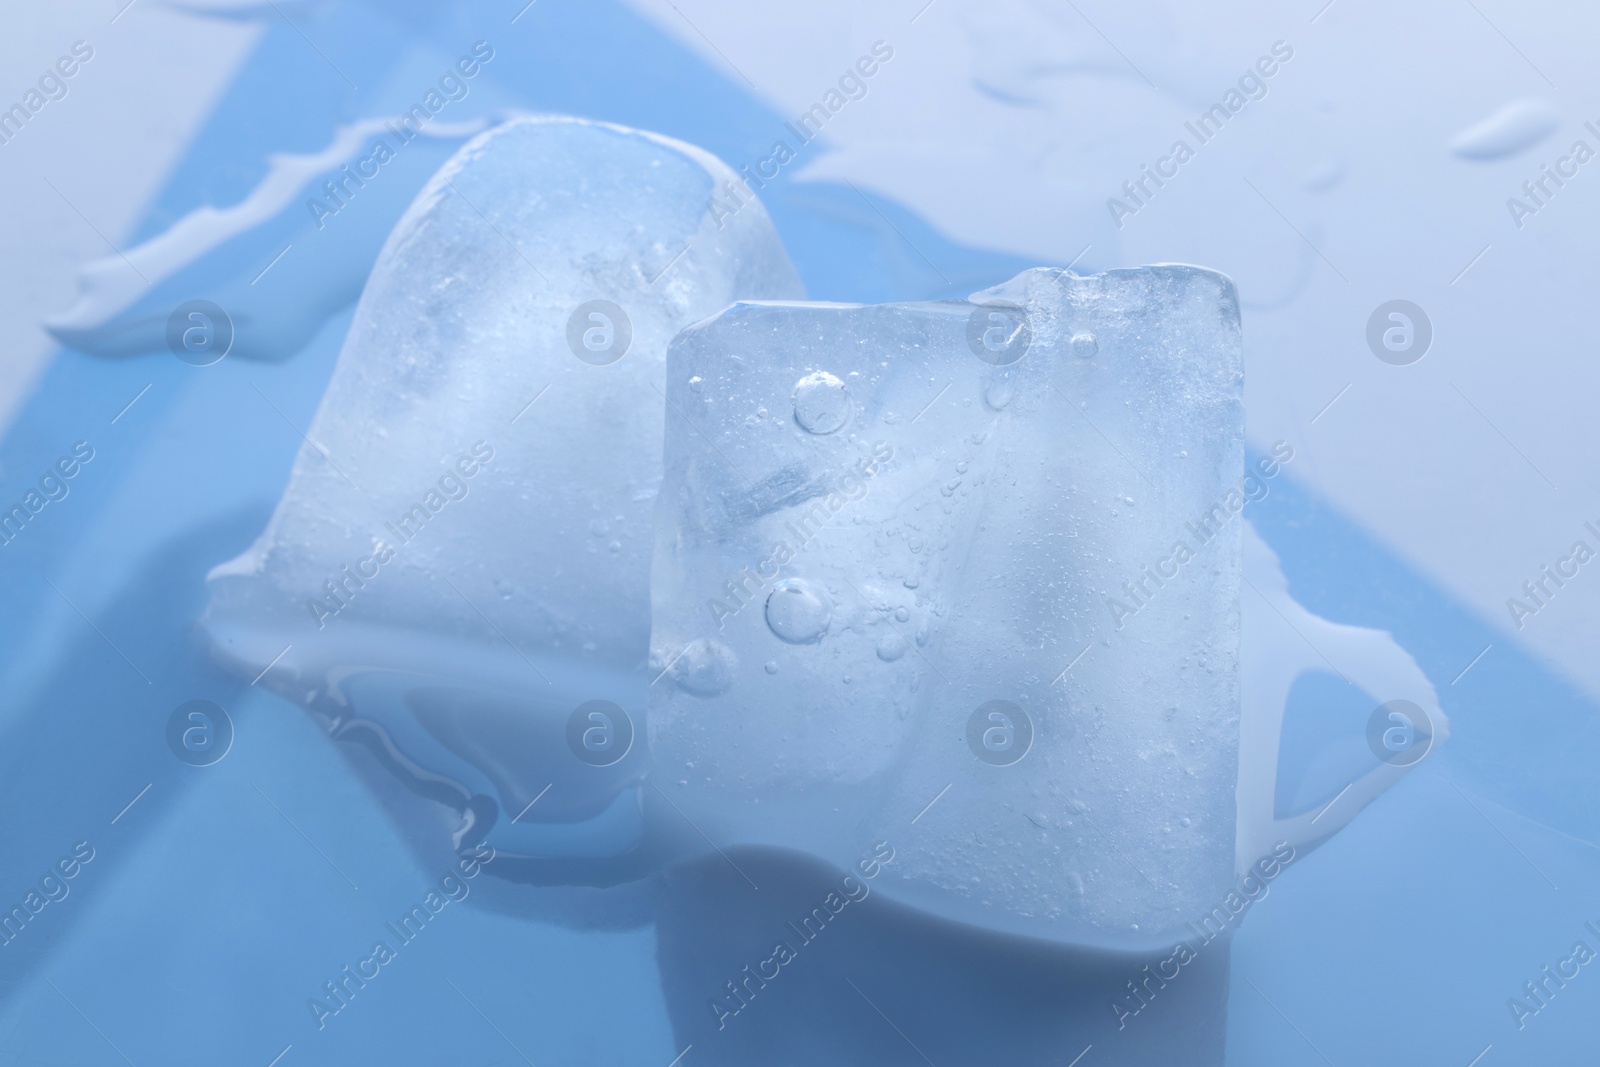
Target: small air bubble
x,y
998,395
798,611
821,405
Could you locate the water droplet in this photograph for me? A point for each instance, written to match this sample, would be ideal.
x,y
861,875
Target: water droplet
x,y
1518,125
615,546
705,668
891,646
771,666
1084,345
696,382
798,611
998,395
902,614
821,404
1324,176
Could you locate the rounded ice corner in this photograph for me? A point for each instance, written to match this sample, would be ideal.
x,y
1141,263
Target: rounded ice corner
x,y
725,191
516,126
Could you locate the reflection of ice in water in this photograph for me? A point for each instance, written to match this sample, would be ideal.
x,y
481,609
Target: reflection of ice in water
x,y
1282,642
463,555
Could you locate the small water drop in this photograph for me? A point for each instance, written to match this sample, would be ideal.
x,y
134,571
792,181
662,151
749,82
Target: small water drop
x,y
1324,176
771,666
821,405
798,611
1518,125
902,614
1084,345
998,395
891,647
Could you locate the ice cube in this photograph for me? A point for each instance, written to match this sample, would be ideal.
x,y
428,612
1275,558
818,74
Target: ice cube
x,y
964,577
464,544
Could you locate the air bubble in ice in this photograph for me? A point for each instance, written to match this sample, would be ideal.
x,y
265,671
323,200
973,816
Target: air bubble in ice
x,y
821,405
798,612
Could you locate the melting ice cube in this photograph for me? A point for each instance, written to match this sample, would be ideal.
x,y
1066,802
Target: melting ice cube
x,y
964,577
462,553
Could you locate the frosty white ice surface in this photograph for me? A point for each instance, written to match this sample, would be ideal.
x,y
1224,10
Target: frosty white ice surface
x,y
466,534
878,520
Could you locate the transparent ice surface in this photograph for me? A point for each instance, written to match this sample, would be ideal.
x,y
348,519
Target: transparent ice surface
x,y
461,555
878,520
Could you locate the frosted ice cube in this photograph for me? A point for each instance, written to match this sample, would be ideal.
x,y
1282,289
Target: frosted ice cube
x,y
462,551
964,576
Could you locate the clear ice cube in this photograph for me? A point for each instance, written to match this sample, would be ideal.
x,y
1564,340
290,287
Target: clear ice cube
x,y
964,577
461,557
